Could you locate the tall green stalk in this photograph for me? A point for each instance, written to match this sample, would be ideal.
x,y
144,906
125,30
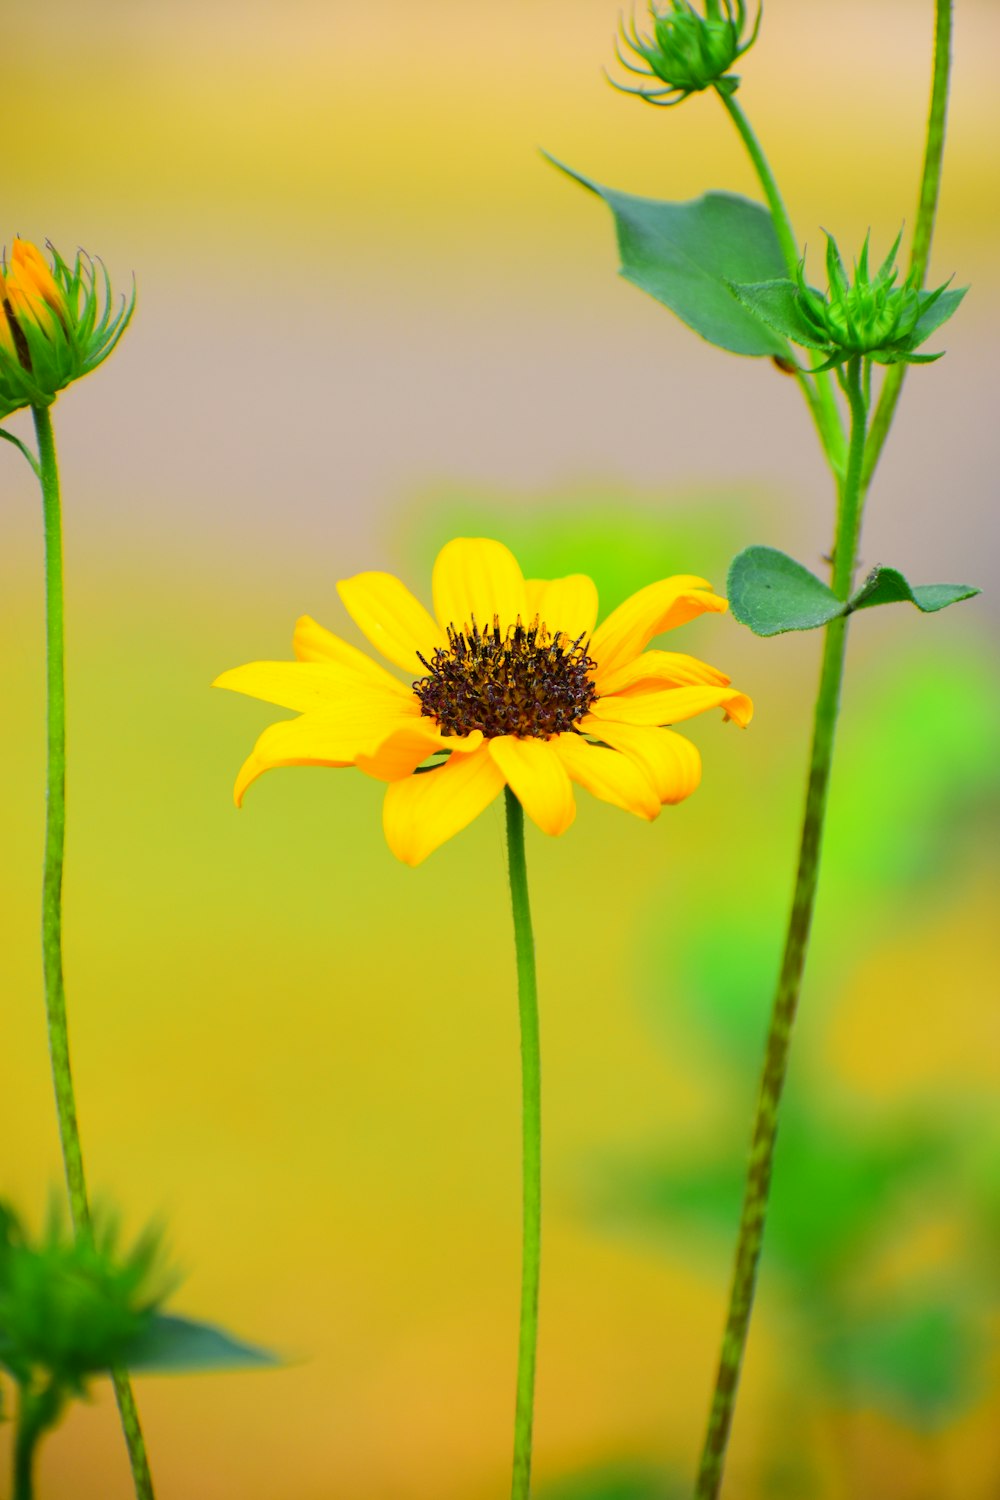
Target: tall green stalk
x,y
55,846
864,449
531,1126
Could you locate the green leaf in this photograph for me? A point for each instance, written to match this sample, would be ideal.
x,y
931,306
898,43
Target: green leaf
x,y
689,255
172,1345
772,593
776,303
888,586
939,310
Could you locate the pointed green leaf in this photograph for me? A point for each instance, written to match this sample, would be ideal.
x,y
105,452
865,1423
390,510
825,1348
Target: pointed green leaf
x,y
772,593
937,310
777,304
888,586
172,1345
689,255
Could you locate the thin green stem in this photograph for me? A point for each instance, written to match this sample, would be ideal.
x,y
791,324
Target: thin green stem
x,y
37,1411
55,848
765,1127
531,1126
930,189
817,389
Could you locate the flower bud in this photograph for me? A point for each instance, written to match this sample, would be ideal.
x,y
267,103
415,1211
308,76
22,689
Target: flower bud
x,y
56,324
687,51
870,316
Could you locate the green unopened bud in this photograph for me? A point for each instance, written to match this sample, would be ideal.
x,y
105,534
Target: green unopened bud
x,y
71,1308
687,51
870,316
56,324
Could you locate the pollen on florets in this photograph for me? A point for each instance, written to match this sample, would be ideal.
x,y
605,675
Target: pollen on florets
x,y
523,681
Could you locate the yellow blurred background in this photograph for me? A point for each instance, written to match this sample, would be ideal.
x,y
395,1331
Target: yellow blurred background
x,y
370,317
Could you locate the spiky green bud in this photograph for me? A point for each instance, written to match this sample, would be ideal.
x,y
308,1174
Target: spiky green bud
x,y
56,324
687,51
870,315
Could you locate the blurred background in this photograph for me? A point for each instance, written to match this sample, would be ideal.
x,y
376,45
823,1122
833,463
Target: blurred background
x,y
371,317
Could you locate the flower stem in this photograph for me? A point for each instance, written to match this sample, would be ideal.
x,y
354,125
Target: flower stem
x,y
37,1411
531,1125
817,389
55,844
930,187
765,1127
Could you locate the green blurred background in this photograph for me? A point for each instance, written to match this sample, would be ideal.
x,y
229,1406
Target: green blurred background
x,y
370,317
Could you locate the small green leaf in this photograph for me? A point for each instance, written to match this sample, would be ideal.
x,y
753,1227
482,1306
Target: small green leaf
x,y
689,255
772,593
777,304
888,586
937,310
173,1345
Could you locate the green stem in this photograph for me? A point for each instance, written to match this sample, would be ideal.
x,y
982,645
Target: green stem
x,y
37,1411
817,390
930,188
531,1126
765,1127
55,846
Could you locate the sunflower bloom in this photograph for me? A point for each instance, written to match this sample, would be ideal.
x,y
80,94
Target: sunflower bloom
x,y
508,683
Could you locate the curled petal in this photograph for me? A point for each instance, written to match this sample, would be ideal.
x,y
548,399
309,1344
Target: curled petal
x,y
672,706
538,779
409,746
421,812
654,609
610,776
671,762
326,739
476,579
394,621
662,669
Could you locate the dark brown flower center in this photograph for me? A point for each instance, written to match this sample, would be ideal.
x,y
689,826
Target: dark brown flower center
x,y
521,681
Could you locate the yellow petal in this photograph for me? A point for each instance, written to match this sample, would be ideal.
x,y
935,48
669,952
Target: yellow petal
x,y
312,642
421,812
395,623
335,737
313,686
671,762
662,669
672,705
654,609
566,605
407,747
476,579
610,776
538,779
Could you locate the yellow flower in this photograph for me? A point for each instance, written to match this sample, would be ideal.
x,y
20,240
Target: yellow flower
x,y
509,682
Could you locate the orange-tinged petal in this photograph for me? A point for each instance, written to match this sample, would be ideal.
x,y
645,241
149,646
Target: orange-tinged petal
x,y
672,705
393,620
312,642
407,747
662,669
314,686
538,779
30,274
335,737
422,811
476,579
654,609
671,762
567,605
610,776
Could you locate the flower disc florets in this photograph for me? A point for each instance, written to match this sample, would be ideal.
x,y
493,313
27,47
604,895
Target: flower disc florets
x,y
56,324
871,316
522,681
687,51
